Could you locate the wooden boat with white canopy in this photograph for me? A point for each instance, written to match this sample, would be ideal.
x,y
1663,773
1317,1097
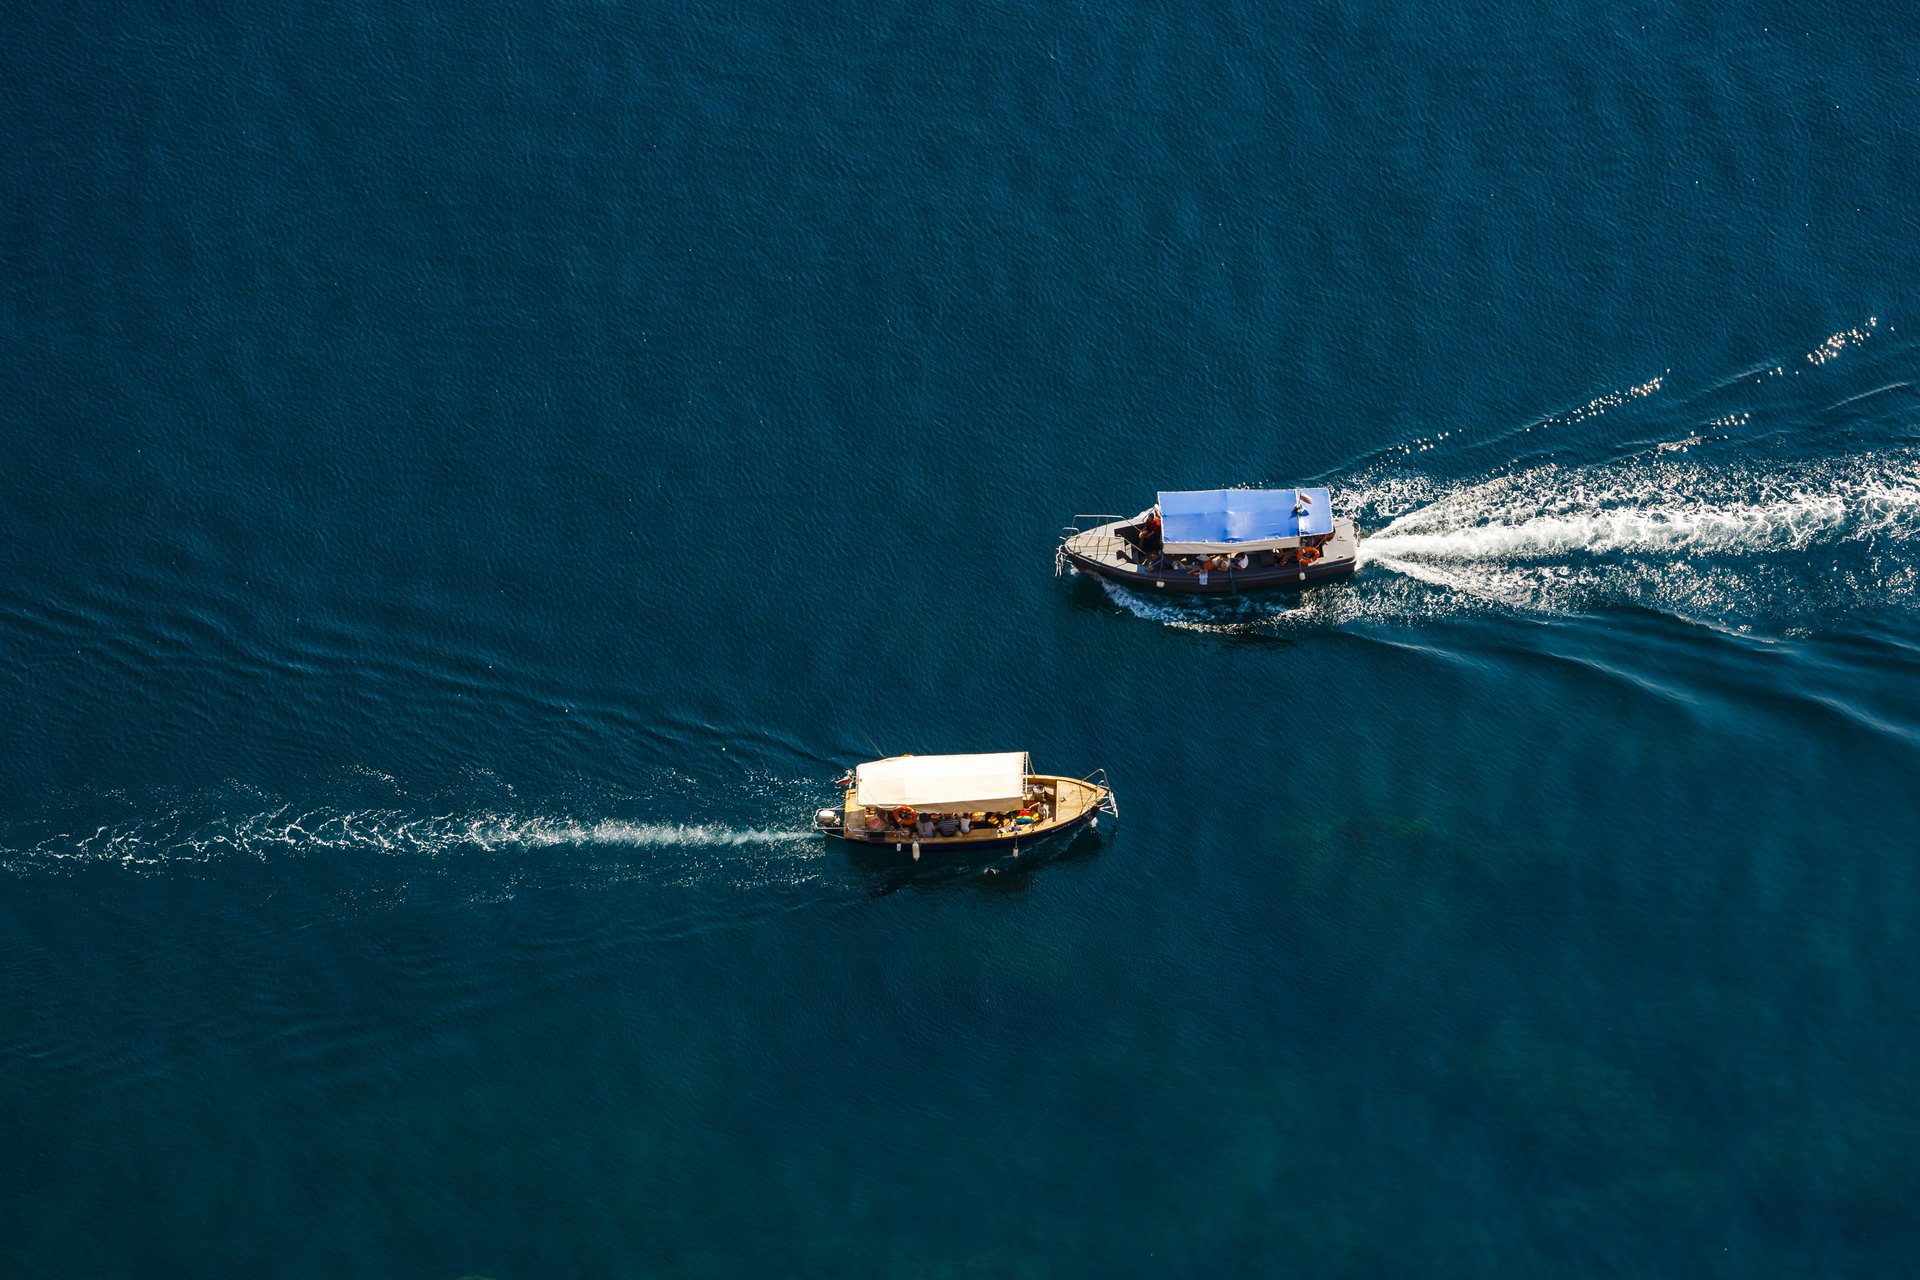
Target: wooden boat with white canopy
x,y
962,804
1216,542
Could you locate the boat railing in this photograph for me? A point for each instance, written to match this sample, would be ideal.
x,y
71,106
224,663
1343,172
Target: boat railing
x,y
1082,525
1098,778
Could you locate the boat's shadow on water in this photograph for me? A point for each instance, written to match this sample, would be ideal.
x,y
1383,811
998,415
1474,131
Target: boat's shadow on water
x,y
1005,873
1249,618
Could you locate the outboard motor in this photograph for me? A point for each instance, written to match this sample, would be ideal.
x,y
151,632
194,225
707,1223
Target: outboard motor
x,y
827,820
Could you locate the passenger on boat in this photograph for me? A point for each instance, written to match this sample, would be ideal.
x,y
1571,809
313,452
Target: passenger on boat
x,y
1150,536
875,824
966,823
924,828
947,825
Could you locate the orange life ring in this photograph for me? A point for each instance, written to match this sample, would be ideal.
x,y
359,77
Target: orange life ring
x,y
904,816
1309,554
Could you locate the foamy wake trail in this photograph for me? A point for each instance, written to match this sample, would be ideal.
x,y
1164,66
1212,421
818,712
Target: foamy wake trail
x,y
287,833
1739,547
1658,510
1774,527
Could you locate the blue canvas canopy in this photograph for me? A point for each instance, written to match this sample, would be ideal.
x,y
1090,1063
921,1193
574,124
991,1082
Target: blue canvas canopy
x,y
1201,520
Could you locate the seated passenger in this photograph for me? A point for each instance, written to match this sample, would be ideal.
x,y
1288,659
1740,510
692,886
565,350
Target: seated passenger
x,y
875,824
924,827
947,825
966,823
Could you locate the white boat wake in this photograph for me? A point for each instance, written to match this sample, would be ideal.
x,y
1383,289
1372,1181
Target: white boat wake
x,y
1710,544
1658,509
287,832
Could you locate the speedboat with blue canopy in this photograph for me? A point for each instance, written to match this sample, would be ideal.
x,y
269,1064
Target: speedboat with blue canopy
x,y
1215,542
962,804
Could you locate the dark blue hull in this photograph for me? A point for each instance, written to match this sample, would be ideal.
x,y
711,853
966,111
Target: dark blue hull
x,y
938,846
1218,582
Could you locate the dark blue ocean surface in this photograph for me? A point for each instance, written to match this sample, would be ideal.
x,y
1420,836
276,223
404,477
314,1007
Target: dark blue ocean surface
x,y
471,475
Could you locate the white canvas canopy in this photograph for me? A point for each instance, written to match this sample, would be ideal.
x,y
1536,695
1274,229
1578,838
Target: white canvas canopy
x,y
936,782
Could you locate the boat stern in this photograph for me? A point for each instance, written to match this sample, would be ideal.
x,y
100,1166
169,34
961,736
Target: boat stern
x,y
1345,543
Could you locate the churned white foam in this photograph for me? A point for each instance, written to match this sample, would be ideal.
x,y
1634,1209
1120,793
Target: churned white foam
x,y
1711,544
285,832
1748,528
495,832
1658,509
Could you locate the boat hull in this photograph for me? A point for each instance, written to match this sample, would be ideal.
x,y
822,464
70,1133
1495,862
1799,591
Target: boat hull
x,y
1219,583
1109,552
893,842
1074,803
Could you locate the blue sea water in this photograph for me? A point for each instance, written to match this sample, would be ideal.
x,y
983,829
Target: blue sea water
x,y
472,474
